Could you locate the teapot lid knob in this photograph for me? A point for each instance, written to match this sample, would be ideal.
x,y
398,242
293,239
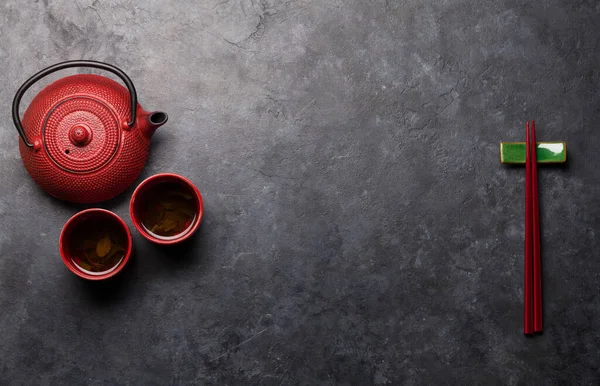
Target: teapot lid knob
x,y
80,135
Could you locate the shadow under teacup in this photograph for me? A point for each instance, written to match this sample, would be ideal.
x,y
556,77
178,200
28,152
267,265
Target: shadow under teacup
x,y
95,244
166,208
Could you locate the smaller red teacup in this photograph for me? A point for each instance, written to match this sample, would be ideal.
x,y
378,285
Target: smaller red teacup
x,y
166,208
95,244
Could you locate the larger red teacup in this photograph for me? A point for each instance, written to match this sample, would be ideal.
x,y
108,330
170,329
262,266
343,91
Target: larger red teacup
x,y
95,244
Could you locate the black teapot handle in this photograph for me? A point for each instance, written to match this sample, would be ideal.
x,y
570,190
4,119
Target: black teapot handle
x,y
62,66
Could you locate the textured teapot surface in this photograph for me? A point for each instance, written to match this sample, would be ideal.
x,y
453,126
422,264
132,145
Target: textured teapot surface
x,y
83,150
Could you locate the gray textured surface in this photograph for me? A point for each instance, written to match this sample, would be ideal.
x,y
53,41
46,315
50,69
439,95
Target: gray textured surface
x,y
359,228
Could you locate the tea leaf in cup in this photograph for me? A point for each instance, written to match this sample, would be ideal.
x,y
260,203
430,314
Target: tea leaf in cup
x,y
113,250
83,264
103,246
168,224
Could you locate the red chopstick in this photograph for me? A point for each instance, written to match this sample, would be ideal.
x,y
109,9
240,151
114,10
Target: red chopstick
x,y
537,267
528,285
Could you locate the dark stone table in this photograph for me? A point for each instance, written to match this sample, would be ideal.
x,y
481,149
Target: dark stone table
x,y
359,228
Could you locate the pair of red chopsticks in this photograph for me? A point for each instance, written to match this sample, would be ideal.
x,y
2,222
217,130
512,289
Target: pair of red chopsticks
x,y
533,271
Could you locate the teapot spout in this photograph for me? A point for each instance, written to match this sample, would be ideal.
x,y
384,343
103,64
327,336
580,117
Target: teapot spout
x,y
149,122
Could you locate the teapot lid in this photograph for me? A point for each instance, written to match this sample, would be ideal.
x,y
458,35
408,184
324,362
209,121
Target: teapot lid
x,y
81,134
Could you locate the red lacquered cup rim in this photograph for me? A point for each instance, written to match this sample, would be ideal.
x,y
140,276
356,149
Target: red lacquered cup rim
x,y
71,265
166,177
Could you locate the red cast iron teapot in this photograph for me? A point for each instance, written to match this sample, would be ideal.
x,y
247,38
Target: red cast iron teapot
x,y
84,138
